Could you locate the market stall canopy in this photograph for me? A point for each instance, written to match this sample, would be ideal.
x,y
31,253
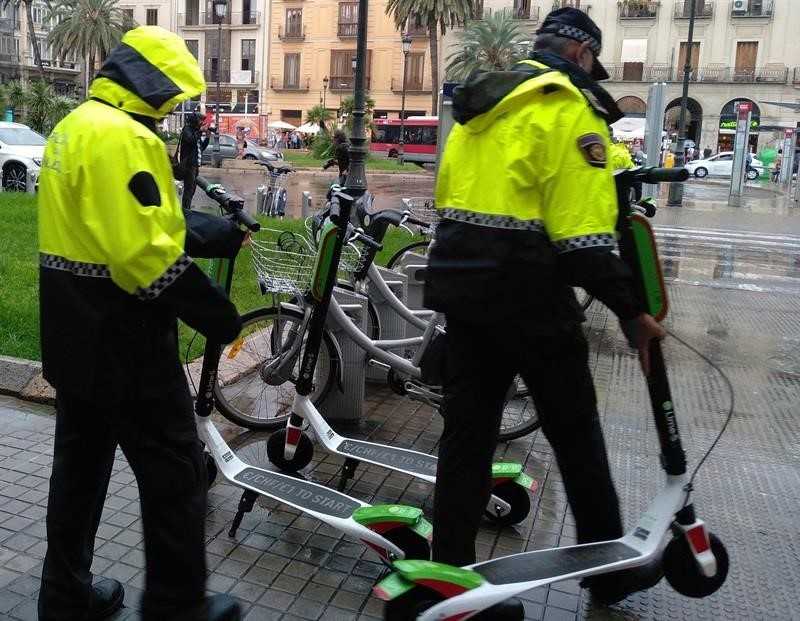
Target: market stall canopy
x,y
308,128
629,128
281,125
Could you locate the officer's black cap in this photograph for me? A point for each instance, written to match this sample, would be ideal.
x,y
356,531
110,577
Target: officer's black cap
x,y
577,25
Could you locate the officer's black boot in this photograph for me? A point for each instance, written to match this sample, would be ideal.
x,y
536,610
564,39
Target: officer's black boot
x,y
106,598
214,608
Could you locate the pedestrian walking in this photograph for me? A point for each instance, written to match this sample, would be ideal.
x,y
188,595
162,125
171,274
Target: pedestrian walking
x,y
193,141
341,155
504,263
113,279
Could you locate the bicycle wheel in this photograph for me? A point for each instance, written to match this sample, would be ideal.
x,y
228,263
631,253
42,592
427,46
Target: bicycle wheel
x,y
248,390
418,247
519,413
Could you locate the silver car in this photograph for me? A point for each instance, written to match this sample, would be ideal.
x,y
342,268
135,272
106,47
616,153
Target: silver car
x,y
228,150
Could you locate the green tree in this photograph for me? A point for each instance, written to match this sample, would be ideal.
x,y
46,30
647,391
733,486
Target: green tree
x,y
36,104
348,105
491,44
90,28
437,16
37,51
319,115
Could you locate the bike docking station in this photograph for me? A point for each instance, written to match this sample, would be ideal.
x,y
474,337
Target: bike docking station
x,y
392,531
389,324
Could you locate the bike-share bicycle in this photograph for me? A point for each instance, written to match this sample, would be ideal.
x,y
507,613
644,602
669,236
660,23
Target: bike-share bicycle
x,y
274,194
393,531
694,561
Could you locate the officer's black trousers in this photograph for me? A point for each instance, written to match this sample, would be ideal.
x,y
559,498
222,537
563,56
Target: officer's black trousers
x,y
481,363
159,439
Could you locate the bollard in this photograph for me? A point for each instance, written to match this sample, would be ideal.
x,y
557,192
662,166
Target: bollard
x,y
307,205
347,404
31,181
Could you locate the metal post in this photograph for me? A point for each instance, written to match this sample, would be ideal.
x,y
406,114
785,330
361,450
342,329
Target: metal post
x,y
787,160
653,130
401,144
216,157
676,189
357,175
740,151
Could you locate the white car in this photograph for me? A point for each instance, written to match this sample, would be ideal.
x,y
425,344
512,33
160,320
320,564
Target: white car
x,y
721,165
21,151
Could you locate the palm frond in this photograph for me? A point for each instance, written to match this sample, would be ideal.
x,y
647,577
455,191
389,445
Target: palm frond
x,y
491,44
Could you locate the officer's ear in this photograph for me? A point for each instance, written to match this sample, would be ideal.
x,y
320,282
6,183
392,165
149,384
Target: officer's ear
x,y
585,57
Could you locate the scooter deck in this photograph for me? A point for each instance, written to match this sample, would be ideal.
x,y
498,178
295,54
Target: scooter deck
x,y
543,564
298,492
412,462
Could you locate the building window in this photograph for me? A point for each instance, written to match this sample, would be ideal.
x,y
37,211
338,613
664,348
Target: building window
x,y
415,71
291,71
152,17
293,117
294,23
694,60
746,55
128,14
341,74
39,13
193,48
348,19
633,56
248,54
192,12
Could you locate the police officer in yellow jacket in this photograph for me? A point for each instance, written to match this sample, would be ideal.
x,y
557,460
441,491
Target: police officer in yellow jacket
x,y
529,207
113,279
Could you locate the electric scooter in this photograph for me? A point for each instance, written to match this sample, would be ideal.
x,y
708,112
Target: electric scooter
x,y
393,531
694,561
291,449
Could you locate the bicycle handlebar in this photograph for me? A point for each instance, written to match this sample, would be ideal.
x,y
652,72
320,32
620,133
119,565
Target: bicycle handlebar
x,y
230,203
654,175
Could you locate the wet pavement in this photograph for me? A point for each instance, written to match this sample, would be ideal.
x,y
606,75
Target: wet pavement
x,y
734,287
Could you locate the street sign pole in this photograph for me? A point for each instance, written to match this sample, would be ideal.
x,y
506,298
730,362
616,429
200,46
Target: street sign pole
x,y
787,161
653,129
740,150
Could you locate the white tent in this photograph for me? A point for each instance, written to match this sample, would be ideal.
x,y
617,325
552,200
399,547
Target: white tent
x,y
281,125
308,128
629,128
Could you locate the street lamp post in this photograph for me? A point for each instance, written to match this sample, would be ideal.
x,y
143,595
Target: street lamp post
x,y
220,11
675,196
406,49
324,90
356,177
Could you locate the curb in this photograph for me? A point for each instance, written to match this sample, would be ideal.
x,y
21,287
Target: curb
x,y
207,170
23,379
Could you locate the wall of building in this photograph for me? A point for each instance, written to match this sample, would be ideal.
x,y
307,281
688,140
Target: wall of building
x,y
165,14
320,20
776,76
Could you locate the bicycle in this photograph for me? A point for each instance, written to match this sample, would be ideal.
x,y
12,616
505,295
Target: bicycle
x,y
275,195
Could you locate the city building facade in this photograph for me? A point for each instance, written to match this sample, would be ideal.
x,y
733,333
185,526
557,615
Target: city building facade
x,y
151,12
17,58
742,50
311,51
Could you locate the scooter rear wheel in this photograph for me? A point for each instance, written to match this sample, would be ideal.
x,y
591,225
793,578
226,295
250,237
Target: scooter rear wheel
x,y
302,454
410,604
516,496
413,545
683,573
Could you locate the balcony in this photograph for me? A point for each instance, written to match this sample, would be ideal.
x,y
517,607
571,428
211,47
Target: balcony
x,y
12,59
707,74
343,83
301,86
703,10
248,19
637,9
573,4
413,87
9,25
524,10
753,8
347,30
292,34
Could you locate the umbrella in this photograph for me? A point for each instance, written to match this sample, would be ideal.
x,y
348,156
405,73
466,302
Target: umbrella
x,y
308,128
281,125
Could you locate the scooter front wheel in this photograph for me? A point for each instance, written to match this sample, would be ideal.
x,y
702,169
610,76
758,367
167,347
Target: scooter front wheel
x,y
517,497
302,454
683,573
413,545
411,604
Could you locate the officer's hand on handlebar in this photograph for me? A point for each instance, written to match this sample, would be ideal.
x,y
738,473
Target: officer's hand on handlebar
x,y
640,332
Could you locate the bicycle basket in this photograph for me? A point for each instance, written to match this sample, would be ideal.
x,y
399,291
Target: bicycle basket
x,y
283,261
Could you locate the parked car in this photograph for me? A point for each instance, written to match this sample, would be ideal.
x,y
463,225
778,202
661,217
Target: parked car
x,y
228,150
21,151
721,165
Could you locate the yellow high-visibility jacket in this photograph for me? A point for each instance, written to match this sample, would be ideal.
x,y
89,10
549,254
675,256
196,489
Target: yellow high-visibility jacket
x,y
113,272
524,183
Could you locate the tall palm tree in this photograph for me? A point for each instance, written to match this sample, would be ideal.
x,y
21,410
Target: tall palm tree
x,y
437,16
37,51
493,43
90,28
319,115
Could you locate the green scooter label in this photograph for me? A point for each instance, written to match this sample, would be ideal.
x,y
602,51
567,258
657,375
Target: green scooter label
x,y
391,587
513,471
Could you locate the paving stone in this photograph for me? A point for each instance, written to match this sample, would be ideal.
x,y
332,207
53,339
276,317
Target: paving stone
x,y
278,600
